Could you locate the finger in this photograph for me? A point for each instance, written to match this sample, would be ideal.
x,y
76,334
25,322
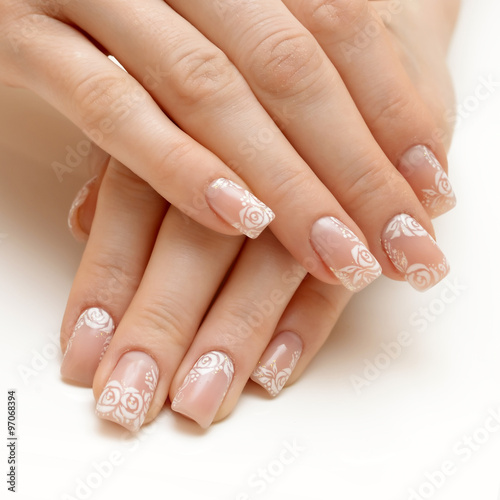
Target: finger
x,y
287,69
82,210
237,328
304,327
353,35
186,268
124,229
119,115
196,84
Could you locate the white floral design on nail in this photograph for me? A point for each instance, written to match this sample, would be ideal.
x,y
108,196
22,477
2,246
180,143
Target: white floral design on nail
x,y
272,379
419,276
255,215
363,271
96,319
211,363
439,198
364,267
127,405
404,225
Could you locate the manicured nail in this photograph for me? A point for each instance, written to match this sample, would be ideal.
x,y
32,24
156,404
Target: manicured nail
x,y
238,207
278,362
129,391
204,388
74,212
428,179
86,346
344,253
414,252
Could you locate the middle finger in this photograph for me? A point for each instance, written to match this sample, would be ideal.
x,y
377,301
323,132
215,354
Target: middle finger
x,y
288,71
204,93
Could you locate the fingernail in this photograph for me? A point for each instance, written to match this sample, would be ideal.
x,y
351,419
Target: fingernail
x,y
278,362
129,391
238,207
414,252
86,346
74,212
204,388
428,179
344,253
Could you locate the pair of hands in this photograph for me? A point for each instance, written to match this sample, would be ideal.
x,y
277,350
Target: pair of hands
x,y
300,72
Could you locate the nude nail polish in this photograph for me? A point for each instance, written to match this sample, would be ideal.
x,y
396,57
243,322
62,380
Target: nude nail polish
x,y
428,179
238,207
204,388
129,390
344,254
74,212
414,252
86,346
278,362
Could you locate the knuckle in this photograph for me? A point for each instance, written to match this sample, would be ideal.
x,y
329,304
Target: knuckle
x,y
287,62
201,75
112,275
333,16
122,180
244,322
318,297
292,182
170,159
101,96
373,180
391,107
162,317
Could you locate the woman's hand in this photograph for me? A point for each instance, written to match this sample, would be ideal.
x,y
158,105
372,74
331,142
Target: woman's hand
x,y
256,96
172,337
142,322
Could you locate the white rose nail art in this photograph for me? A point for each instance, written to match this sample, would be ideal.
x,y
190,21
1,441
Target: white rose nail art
x,y
204,388
99,322
129,391
344,253
240,208
89,341
278,362
414,252
272,378
422,169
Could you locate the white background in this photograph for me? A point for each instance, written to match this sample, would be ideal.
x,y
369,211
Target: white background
x,y
377,443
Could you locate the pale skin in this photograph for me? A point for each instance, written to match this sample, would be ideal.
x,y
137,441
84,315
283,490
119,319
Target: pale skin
x,y
164,314
252,62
